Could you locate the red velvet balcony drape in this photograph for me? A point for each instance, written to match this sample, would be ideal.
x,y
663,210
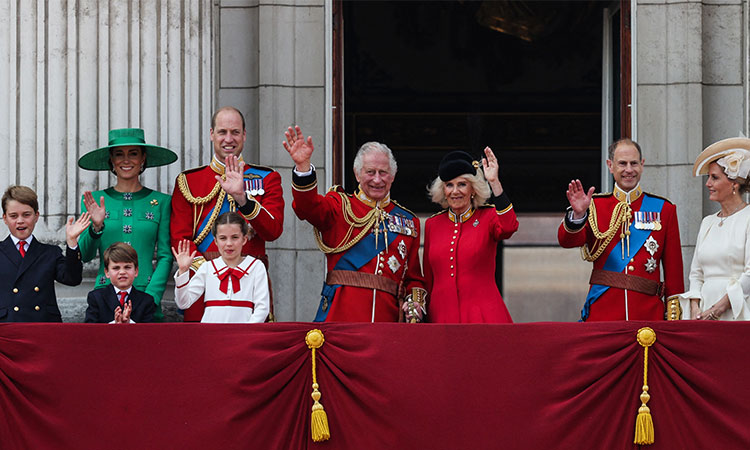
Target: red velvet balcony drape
x,y
384,386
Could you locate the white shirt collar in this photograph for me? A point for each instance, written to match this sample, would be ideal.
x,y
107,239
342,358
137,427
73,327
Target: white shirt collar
x,y
117,291
16,240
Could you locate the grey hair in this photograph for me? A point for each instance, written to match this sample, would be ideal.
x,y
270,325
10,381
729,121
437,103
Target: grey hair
x,y
613,146
369,147
481,189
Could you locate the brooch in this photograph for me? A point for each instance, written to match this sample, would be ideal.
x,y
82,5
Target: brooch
x,y
154,202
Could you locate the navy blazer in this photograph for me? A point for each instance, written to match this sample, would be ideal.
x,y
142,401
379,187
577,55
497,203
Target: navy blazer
x,y
27,284
103,301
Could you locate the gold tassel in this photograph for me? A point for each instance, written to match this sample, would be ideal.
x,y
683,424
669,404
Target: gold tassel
x,y
319,422
644,424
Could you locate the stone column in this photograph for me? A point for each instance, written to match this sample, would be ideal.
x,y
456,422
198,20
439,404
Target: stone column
x,y
690,92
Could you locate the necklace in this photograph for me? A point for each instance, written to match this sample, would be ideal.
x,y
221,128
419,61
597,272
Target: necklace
x,y
740,206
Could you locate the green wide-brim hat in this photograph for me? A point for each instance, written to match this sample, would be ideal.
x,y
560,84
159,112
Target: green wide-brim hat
x,y
125,137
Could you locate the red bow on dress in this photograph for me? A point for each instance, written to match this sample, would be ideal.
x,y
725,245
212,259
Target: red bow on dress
x,y
235,275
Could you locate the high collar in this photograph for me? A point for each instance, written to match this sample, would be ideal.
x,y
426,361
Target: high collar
x,y
463,217
628,197
370,202
219,166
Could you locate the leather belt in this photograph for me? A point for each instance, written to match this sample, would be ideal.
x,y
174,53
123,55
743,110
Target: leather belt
x,y
363,280
629,282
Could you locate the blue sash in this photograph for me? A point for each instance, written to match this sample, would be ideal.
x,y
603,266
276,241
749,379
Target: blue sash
x,y
354,259
250,172
615,262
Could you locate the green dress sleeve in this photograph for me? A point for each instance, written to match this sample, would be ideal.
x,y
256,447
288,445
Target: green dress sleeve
x,y
163,267
89,241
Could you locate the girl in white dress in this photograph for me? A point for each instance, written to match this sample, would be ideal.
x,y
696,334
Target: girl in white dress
x,y
235,287
720,271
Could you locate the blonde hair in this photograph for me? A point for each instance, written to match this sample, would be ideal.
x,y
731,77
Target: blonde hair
x,y
482,192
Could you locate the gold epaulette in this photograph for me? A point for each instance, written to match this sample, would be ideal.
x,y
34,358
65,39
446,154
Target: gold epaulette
x,y
602,194
438,213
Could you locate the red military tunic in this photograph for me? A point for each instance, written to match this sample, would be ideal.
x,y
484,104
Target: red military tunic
x,y
399,262
663,242
188,220
459,263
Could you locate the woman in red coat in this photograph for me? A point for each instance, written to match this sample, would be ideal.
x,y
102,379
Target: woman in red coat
x,y
461,241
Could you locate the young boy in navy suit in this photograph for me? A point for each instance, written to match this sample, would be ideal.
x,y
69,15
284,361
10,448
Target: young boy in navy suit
x,y
120,302
30,268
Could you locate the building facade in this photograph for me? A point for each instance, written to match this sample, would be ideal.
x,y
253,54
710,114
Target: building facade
x,y
72,70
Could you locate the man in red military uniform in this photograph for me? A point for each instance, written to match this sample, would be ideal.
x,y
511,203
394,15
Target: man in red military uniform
x,y
371,242
202,194
629,235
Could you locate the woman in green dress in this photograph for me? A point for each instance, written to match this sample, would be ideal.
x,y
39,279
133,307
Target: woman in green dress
x,y
128,211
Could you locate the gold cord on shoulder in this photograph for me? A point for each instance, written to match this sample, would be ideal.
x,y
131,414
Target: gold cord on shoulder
x,y
182,184
201,201
374,217
620,221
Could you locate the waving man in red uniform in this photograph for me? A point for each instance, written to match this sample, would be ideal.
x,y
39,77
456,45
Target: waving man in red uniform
x,y
370,241
227,184
630,236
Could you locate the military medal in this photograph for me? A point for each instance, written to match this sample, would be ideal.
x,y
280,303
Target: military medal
x,y
401,225
393,264
650,265
402,249
647,220
651,245
254,184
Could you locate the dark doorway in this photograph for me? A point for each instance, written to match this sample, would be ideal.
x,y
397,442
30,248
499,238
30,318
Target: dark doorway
x,y
523,77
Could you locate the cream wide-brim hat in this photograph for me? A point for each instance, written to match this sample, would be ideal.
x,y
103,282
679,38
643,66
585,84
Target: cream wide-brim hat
x,y
718,150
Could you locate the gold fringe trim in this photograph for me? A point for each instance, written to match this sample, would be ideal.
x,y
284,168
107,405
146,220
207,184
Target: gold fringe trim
x,y
644,424
319,422
673,310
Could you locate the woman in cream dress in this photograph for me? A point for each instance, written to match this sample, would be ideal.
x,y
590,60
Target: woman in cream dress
x,y
720,271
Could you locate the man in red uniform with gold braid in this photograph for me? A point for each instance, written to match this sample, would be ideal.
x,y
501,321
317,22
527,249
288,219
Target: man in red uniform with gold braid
x,y
202,194
629,235
371,242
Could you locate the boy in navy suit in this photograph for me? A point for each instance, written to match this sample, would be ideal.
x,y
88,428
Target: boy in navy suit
x,y
30,268
120,302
